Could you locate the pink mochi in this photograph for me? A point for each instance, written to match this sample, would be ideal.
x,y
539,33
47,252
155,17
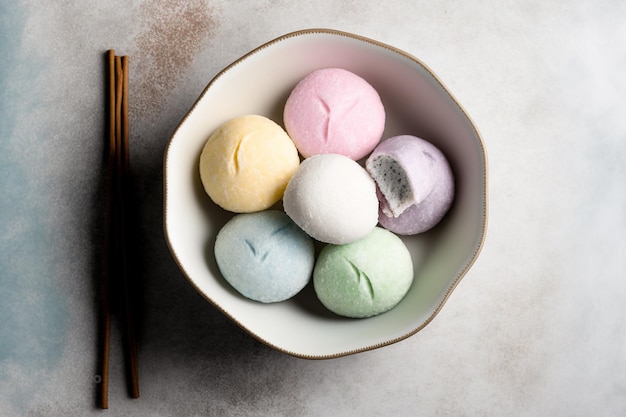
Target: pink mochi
x,y
333,110
414,184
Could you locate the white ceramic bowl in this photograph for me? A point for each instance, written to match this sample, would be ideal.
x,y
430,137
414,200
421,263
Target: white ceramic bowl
x,y
416,103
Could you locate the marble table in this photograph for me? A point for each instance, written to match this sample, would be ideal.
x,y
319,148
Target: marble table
x,y
535,328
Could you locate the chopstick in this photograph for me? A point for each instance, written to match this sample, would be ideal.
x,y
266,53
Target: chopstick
x,y
116,287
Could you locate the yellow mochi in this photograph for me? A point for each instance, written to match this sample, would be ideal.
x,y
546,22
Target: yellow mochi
x,y
246,164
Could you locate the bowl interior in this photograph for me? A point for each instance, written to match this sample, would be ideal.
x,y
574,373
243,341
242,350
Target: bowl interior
x,y
416,103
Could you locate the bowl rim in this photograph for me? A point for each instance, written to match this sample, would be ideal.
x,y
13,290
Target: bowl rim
x,y
454,282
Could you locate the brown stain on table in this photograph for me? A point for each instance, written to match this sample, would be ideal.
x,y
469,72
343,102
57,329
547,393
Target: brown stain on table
x,y
171,34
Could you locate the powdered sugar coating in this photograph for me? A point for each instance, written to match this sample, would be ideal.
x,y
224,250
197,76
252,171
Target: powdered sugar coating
x,y
333,110
264,256
364,278
332,198
246,164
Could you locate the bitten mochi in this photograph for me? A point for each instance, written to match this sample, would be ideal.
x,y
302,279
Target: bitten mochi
x,y
264,256
364,278
333,110
414,183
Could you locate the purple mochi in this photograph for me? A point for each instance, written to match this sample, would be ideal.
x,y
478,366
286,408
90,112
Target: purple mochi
x,y
414,184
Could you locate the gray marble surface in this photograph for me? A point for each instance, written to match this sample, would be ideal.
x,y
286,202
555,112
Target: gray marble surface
x,y
535,328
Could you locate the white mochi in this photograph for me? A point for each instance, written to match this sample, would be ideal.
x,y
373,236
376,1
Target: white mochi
x,y
332,198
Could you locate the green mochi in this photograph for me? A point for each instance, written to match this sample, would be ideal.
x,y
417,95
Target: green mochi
x,y
364,278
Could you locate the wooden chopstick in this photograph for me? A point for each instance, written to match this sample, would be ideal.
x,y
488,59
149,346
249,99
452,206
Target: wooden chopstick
x,y
116,288
108,238
128,310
